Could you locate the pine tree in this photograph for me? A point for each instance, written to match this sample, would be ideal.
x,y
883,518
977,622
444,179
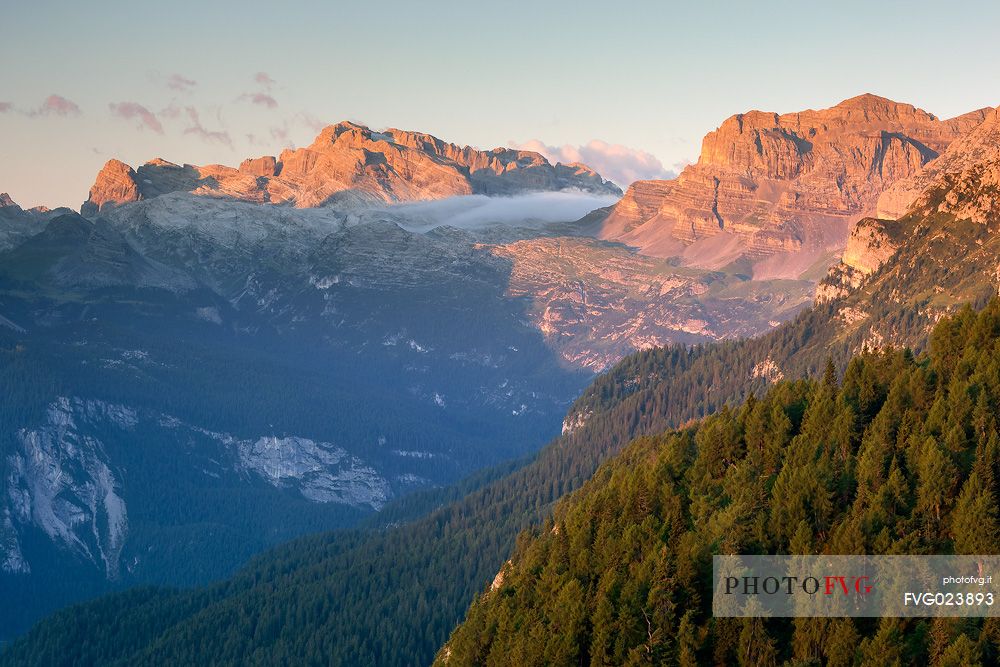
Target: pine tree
x,y
756,648
974,520
936,475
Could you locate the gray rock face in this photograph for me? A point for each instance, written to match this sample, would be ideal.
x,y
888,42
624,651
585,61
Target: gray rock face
x,y
319,471
73,252
453,315
59,481
322,472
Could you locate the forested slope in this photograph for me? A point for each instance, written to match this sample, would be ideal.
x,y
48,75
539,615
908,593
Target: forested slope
x,y
901,458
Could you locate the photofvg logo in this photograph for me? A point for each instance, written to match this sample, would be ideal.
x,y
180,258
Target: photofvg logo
x,y
789,585
873,586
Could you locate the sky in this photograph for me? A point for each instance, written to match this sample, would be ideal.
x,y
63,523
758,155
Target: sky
x,y
628,87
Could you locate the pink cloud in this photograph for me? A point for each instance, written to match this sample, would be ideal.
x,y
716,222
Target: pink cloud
x,y
5,107
58,105
198,130
264,79
180,83
260,99
621,164
134,110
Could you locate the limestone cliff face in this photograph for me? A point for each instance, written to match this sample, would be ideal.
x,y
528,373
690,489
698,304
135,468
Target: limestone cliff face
x,y
870,245
349,163
116,184
771,185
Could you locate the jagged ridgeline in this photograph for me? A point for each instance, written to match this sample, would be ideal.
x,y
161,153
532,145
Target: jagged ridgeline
x,y
900,458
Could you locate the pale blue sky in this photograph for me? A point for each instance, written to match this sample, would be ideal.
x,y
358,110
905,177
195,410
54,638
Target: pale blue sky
x,y
651,76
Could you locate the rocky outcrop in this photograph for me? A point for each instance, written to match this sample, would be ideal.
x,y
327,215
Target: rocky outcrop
x,y
116,184
786,185
350,164
871,243
261,166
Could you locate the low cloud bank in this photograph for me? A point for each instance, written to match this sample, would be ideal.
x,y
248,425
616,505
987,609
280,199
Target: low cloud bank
x,y
479,211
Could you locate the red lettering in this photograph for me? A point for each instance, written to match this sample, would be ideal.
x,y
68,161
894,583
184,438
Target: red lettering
x,y
831,584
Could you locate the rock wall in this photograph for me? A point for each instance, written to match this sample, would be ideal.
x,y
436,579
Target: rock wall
x,y
769,184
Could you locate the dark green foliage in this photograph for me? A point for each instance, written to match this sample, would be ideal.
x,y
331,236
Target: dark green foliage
x,y
895,460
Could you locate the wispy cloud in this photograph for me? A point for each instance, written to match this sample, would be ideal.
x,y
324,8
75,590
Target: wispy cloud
x,y
134,110
280,133
180,83
198,130
621,164
312,122
5,107
263,97
55,105
260,99
264,79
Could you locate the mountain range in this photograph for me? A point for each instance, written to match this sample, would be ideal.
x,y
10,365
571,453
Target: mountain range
x,y
349,164
481,335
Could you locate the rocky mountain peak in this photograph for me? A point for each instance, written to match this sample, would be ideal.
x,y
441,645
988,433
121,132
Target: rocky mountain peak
x,y
965,180
115,184
781,191
873,107
352,134
6,201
